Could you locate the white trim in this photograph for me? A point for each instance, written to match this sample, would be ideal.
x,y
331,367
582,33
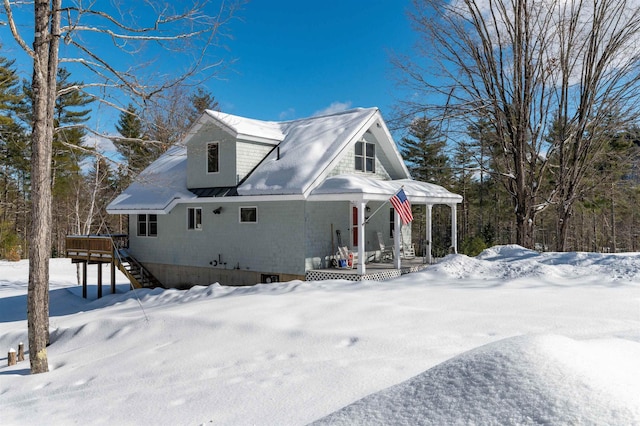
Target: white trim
x,y
210,200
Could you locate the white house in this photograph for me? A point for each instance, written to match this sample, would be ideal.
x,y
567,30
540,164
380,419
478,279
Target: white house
x,y
242,201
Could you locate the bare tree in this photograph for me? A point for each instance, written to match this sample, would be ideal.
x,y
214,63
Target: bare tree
x,y
188,30
596,89
513,63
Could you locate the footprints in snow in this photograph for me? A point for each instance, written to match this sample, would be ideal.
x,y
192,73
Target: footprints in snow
x,y
348,342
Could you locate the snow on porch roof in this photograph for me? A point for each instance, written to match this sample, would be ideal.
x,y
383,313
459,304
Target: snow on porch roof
x,y
362,188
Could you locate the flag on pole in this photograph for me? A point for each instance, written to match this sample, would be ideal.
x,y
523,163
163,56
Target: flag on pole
x,y
402,206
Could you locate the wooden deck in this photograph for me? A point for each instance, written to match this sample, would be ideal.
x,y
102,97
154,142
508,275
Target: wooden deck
x,y
111,249
94,248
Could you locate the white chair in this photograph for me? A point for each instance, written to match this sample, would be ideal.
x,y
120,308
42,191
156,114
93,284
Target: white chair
x,y
386,254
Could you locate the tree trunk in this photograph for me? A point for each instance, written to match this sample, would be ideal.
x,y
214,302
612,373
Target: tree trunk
x,y
45,67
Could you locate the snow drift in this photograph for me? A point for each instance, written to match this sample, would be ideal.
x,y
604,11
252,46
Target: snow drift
x,y
522,380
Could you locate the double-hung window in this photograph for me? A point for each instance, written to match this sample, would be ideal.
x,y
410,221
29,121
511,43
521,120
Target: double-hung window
x,y
194,218
365,157
213,157
147,225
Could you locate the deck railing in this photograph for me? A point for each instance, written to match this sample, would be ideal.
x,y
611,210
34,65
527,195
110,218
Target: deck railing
x,y
95,246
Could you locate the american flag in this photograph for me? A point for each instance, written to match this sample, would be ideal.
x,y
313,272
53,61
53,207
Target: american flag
x,y
402,206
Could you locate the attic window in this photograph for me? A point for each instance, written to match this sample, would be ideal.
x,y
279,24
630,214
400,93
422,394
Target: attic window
x,y
365,157
213,157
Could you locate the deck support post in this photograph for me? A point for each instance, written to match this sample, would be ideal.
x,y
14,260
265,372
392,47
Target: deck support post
x,y
113,275
84,280
99,280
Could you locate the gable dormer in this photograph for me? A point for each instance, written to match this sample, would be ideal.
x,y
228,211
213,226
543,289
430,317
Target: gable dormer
x,y
371,154
222,149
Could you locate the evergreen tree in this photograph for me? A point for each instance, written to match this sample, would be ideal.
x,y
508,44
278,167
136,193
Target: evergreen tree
x,y
201,100
136,151
13,164
424,152
12,131
9,92
69,115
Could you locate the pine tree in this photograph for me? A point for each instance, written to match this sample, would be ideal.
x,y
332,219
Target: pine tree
x,y
424,152
137,152
9,91
13,163
69,115
201,100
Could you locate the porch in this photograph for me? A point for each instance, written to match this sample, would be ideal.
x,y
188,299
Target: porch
x,y
367,196
375,271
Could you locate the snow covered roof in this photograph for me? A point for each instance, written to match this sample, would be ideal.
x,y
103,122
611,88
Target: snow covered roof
x,y
157,187
248,128
365,188
307,150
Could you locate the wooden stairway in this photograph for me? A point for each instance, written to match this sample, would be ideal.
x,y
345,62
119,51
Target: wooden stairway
x,y
137,274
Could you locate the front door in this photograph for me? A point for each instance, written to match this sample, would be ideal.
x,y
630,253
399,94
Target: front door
x,y
354,227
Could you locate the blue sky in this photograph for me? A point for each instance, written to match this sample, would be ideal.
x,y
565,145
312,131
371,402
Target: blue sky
x,y
293,59
297,58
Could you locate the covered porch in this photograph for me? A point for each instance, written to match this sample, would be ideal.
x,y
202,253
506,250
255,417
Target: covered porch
x,y
361,190
375,271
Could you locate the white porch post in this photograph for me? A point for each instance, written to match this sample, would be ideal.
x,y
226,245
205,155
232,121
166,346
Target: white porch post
x,y
397,236
428,231
361,257
454,227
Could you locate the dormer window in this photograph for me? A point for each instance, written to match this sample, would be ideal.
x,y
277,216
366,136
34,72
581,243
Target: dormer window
x,y
365,157
213,157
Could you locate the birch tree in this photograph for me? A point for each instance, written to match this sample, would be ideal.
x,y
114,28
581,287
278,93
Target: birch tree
x,y
93,34
519,64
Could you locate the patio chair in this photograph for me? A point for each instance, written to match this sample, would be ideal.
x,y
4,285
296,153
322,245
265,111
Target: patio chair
x,y
386,253
408,249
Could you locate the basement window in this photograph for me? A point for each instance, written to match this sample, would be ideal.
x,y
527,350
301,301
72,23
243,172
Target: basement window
x,y
147,225
248,214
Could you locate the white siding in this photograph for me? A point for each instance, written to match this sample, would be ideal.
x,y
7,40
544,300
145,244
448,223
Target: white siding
x,y
197,176
346,164
273,244
249,155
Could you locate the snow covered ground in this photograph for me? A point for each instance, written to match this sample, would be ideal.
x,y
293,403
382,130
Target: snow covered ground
x,y
508,337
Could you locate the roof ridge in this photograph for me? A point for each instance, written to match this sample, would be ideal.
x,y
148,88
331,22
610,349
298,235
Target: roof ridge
x,y
333,114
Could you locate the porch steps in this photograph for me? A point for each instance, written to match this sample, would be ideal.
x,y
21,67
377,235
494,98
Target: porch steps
x,y
137,274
